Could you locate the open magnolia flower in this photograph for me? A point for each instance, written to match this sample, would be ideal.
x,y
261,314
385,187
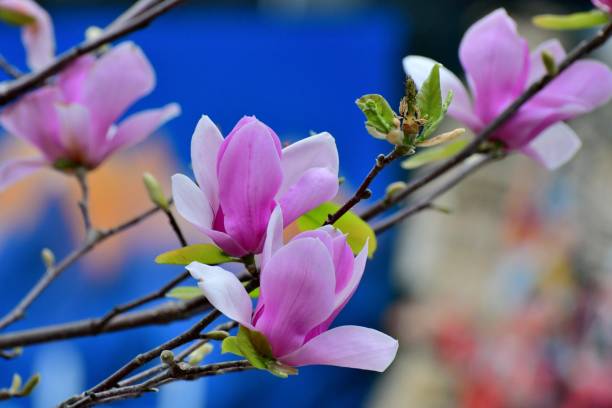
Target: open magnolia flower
x,y
605,5
37,33
243,177
304,285
71,122
499,68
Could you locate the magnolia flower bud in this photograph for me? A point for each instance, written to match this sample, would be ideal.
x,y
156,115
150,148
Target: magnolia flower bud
x,y
200,354
48,257
549,62
155,191
394,188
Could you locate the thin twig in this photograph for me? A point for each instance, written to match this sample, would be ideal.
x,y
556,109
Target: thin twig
x,y
427,201
81,176
28,82
363,192
10,69
583,49
93,239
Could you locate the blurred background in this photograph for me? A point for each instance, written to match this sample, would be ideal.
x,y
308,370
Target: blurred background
x,y
506,302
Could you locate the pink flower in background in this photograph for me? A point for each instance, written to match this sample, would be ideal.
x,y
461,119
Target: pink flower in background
x,y
72,122
499,68
605,5
304,285
243,177
37,36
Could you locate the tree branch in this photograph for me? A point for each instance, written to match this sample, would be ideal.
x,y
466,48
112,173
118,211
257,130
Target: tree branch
x,y
81,176
583,49
135,22
7,67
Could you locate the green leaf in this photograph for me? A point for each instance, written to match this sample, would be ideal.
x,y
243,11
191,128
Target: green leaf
x,y
30,385
248,345
429,101
184,293
358,230
380,118
575,21
434,154
15,18
254,294
281,370
207,254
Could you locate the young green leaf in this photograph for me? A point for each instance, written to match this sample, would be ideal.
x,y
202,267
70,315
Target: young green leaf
x,y
358,231
429,98
575,21
434,154
204,253
380,118
184,293
256,351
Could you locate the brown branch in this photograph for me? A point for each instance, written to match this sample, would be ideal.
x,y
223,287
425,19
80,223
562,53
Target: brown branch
x,y
10,69
53,271
81,176
30,81
427,201
583,49
363,192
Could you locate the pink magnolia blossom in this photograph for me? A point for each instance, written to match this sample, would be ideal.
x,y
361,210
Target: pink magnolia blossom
x,y
72,120
243,177
499,68
37,36
605,5
304,285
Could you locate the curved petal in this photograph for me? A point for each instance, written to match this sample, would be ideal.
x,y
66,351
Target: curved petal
x,y
347,346
34,119
118,79
274,236
536,66
75,131
496,61
191,202
461,106
71,79
205,144
316,186
605,5
312,152
554,147
224,291
136,128
11,171
581,88
298,287
38,37
249,177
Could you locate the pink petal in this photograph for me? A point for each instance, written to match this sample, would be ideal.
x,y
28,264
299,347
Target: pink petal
x,y
274,236
298,287
34,119
249,178
75,131
554,147
224,291
461,107
71,79
193,205
38,37
12,171
205,144
315,186
136,128
318,151
495,59
580,89
536,66
605,5
347,346
118,79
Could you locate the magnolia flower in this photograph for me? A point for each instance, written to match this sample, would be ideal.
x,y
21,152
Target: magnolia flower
x,y
37,35
499,68
71,122
304,285
241,180
605,5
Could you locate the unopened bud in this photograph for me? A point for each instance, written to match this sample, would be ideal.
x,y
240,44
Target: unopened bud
x,y
167,357
200,354
30,385
549,63
155,191
48,257
394,188
15,384
395,137
217,335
